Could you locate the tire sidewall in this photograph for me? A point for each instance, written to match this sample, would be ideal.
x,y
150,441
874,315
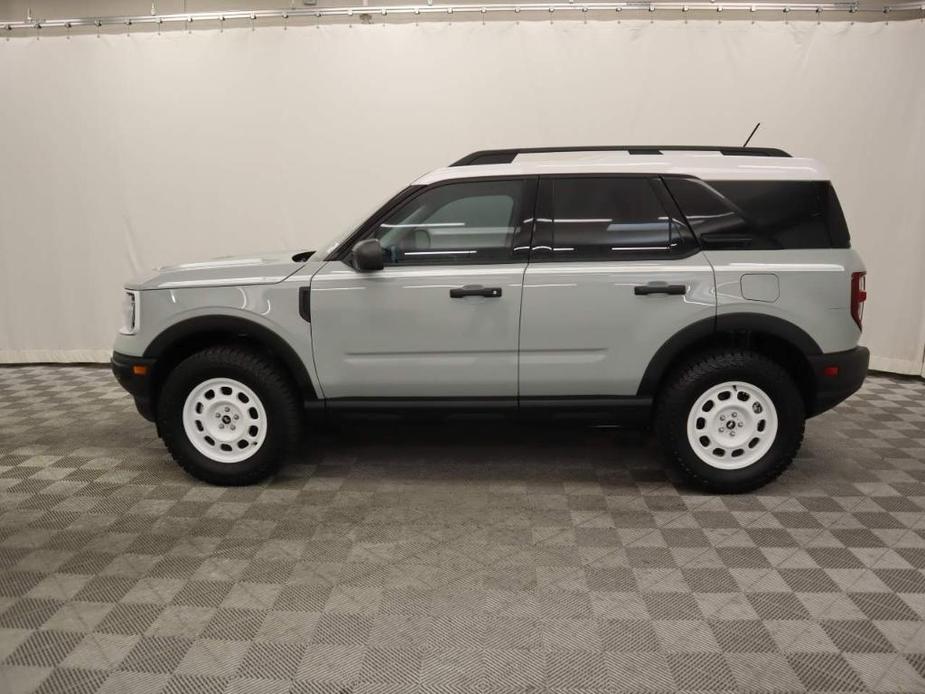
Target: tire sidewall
x,y
181,382
790,416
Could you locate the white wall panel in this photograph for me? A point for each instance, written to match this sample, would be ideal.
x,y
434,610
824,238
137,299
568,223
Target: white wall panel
x,y
123,152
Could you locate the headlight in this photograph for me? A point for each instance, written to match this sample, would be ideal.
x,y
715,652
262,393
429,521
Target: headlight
x,y
130,313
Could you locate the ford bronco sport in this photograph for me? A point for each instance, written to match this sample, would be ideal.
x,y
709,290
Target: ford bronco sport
x,y
711,292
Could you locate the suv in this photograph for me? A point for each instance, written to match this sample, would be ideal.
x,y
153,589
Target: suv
x,y
709,291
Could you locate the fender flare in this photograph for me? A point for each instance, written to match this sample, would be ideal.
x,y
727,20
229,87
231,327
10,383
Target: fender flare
x,y
237,326
728,323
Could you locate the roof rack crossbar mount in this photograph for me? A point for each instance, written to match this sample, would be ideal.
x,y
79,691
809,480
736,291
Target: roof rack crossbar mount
x,y
506,156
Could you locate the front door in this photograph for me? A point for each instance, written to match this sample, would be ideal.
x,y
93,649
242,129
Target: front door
x,y
613,275
441,319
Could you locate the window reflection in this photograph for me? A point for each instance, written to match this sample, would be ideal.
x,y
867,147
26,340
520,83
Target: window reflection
x,y
466,222
761,214
602,217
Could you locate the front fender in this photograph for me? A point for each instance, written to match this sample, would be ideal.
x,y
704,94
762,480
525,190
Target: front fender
x,y
268,314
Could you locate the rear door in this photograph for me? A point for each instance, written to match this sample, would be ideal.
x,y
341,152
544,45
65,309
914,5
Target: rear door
x,y
613,275
441,319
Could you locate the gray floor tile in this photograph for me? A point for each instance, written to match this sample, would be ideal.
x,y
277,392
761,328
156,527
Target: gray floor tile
x,y
519,559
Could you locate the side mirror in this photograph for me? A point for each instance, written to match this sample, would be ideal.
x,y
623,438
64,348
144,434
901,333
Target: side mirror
x,y
367,255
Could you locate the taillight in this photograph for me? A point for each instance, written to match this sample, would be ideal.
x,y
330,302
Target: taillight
x,y
858,296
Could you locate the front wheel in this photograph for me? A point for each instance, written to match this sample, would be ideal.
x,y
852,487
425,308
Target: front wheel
x,y
228,416
730,420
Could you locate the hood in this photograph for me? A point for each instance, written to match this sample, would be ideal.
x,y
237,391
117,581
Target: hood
x,y
258,268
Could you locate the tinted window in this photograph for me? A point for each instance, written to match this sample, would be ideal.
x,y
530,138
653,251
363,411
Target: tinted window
x,y
835,218
761,214
606,218
707,213
459,222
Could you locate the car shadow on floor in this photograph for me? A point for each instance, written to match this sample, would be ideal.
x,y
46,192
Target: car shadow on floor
x,y
484,450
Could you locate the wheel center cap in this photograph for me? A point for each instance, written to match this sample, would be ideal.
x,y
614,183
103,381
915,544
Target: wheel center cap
x,y
226,419
730,425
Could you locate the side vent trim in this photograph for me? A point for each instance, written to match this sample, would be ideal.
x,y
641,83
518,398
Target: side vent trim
x,y
305,303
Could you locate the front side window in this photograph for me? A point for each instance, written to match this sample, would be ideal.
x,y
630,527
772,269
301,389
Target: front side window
x,y
465,222
607,218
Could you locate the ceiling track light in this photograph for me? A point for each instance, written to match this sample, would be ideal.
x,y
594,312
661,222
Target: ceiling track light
x,y
550,7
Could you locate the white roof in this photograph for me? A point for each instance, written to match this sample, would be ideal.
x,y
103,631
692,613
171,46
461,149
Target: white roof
x,y
706,165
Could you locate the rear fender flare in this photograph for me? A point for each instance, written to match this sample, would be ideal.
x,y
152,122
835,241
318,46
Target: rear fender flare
x,y
691,337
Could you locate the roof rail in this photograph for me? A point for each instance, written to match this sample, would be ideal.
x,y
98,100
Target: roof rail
x,y
506,156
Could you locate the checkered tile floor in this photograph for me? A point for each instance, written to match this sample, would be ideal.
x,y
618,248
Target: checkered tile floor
x,y
505,559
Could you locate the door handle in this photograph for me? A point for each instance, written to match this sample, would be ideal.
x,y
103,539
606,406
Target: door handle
x,y
653,288
475,290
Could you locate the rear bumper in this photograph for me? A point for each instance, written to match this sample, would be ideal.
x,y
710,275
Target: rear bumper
x,y
837,376
135,374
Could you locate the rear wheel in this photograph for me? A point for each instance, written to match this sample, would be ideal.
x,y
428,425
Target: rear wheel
x,y
228,416
730,420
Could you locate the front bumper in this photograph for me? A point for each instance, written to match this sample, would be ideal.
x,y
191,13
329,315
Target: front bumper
x,y
135,374
837,376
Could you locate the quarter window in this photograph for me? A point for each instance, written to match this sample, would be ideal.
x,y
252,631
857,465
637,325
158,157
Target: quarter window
x,y
761,215
467,222
710,217
607,218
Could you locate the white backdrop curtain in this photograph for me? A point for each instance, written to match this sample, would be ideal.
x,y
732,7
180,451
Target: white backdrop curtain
x,y
123,152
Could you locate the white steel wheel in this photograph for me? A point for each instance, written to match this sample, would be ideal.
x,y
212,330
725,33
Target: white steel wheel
x,y
732,425
225,420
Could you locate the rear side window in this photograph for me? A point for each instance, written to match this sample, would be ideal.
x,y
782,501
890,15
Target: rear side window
x,y
762,215
606,218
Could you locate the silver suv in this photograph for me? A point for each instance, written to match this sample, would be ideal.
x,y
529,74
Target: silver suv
x,y
708,291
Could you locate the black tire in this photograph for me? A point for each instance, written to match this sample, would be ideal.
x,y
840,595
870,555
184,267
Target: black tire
x,y
682,390
265,379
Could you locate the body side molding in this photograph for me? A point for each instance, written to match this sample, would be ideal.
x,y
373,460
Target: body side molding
x,y
626,410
